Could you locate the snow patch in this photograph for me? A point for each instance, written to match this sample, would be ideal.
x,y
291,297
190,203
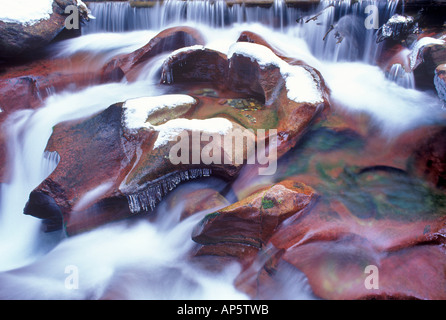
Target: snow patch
x,y
27,12
136,112
169,130
300,83
396,18
139,109
414,57
185,49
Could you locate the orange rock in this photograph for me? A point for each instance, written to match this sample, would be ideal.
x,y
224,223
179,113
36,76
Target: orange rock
x,y
253,220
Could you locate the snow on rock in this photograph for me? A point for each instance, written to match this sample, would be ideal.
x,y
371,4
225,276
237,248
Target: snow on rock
x,y
139,109
186,49
415,56
300,83
136,112
396,18
26,12
172,128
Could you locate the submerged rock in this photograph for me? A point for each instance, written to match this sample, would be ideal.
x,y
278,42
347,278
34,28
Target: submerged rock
x,y
192,201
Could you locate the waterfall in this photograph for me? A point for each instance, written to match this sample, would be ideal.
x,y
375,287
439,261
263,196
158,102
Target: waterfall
x,y
338,33
28,164
342,17
401,77
120,16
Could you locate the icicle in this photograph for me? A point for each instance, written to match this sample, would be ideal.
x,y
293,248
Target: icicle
x,y
153,195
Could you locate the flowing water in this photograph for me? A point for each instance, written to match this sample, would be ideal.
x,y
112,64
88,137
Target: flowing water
x,y
148,259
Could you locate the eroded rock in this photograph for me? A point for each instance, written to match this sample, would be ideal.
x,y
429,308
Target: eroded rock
x,y
251,222
167,40
118,163
24,37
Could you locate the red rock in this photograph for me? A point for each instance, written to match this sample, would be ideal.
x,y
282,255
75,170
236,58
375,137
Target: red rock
x,y
252,221
336,270
245,76
135,173
26,86
252,37
396,54
195,65
430,159
108,172
18,93
193,201
167,40
294,118
332,246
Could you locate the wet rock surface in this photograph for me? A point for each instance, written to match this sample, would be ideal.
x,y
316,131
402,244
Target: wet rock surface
x,y
143,172
398,28
252,221
166,41
25,38
323,217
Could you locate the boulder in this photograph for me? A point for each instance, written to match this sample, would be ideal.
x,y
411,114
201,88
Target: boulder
x,y
18,93
27,85
167,40
251,222
427,53
289,97
398,28
111,169
22,36
294,91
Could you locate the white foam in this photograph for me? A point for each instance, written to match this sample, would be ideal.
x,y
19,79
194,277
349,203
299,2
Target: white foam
x,y
363,88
